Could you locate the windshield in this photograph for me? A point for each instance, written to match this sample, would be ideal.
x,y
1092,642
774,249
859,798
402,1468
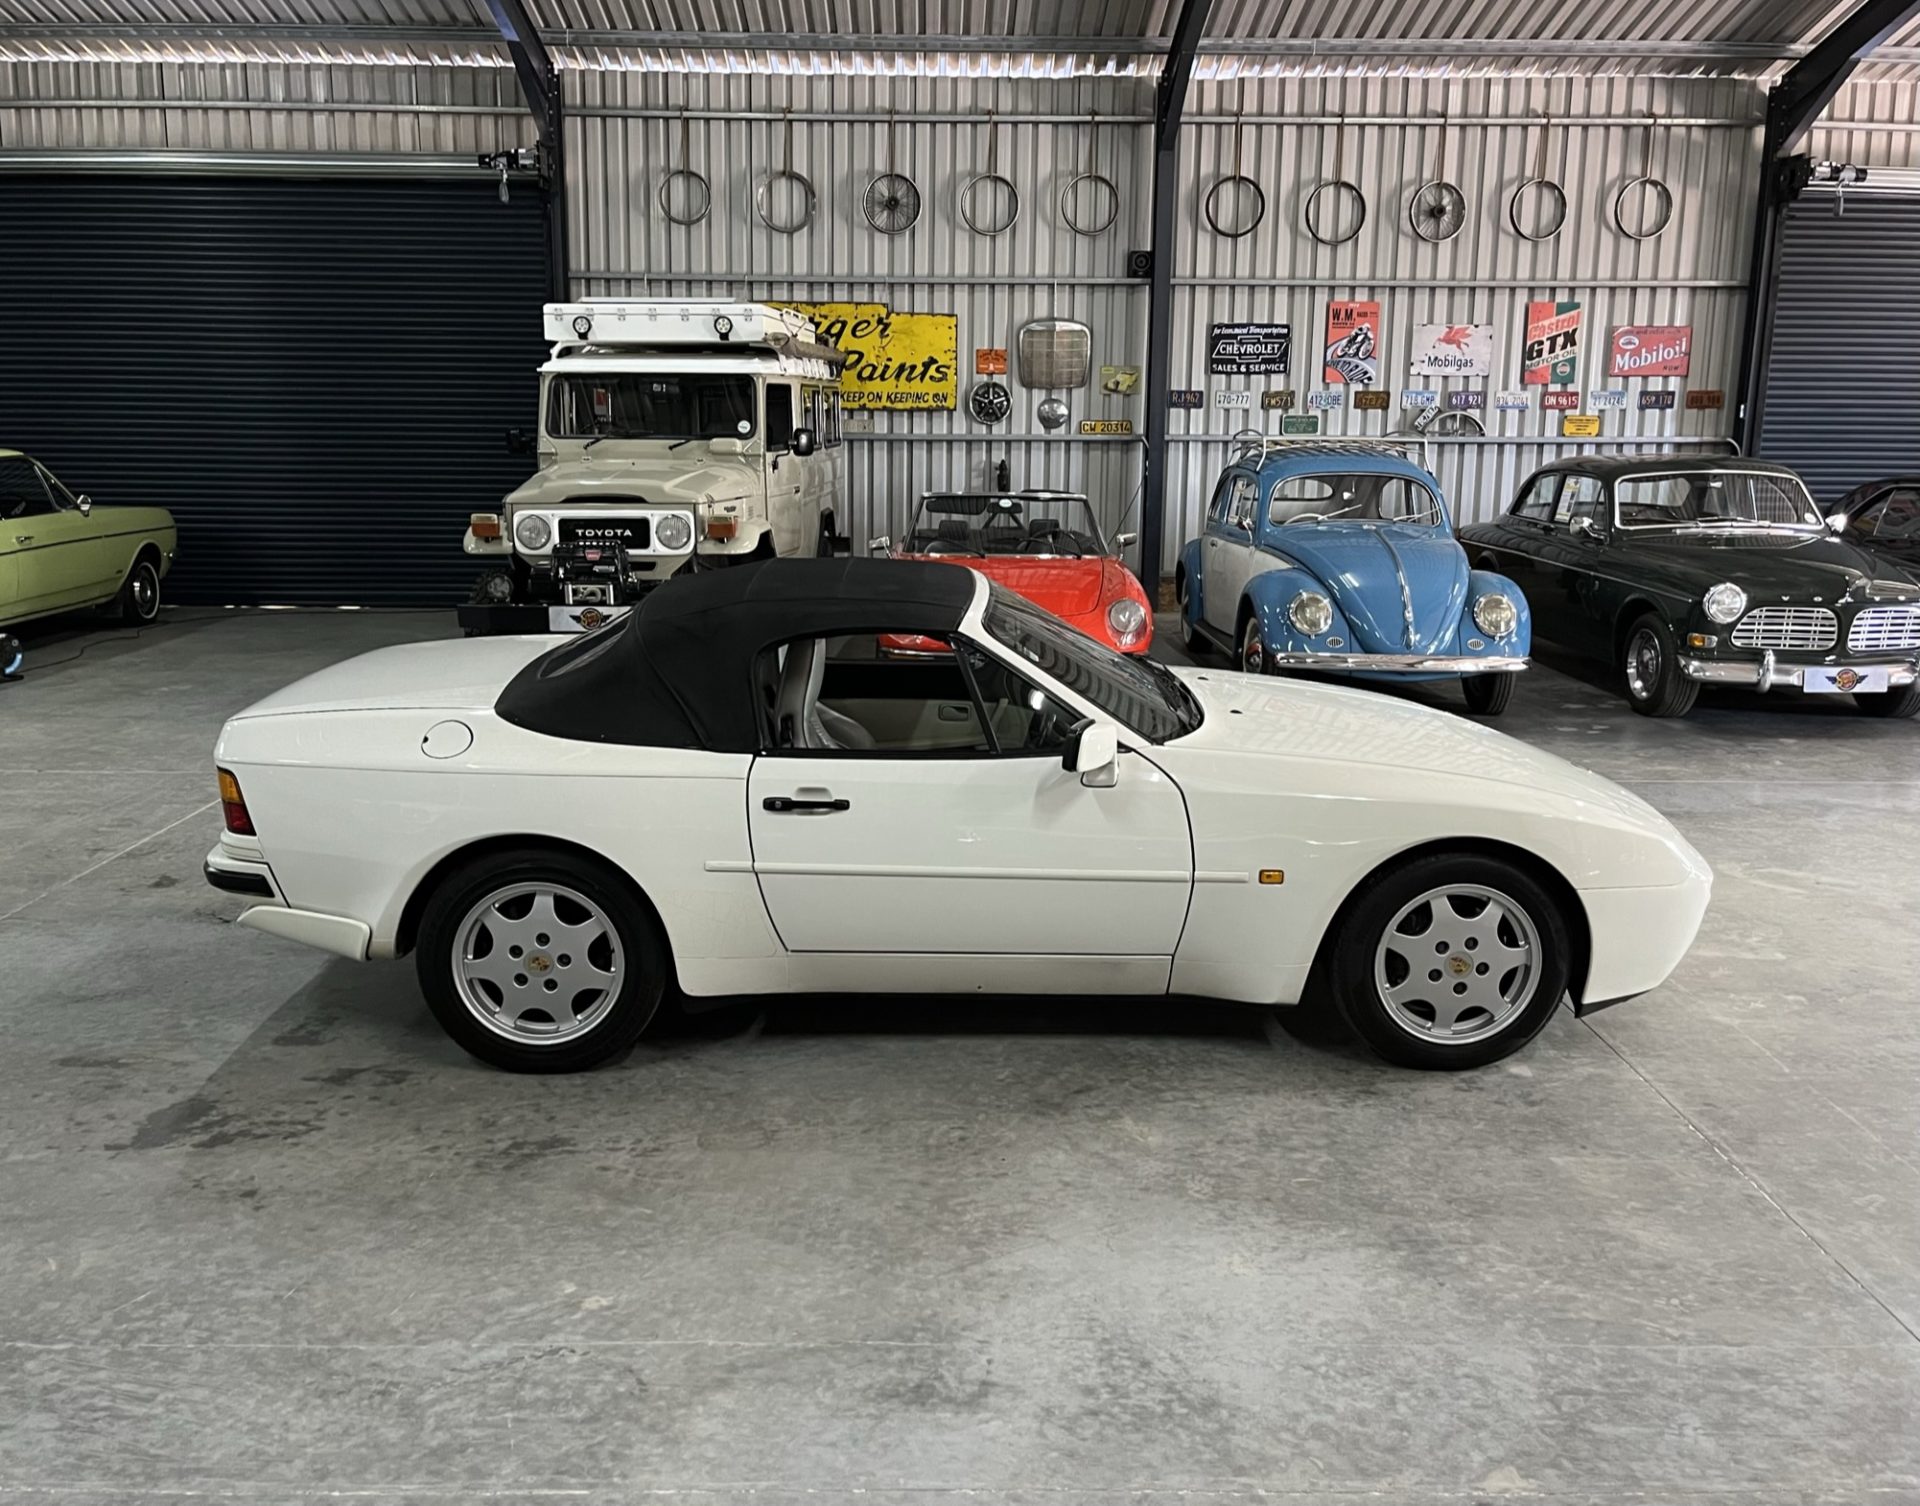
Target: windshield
x,y
1138,693
953,523
1714,499
650,405
1355,498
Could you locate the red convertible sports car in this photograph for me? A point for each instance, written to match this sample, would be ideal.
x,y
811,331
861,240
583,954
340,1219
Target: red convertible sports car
x,y
1047,546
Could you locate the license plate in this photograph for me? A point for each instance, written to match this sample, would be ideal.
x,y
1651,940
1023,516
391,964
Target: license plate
x,y
1845,681
582,619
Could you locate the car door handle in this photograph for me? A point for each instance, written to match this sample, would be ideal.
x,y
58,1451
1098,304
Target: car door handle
x,y
788,805
23,538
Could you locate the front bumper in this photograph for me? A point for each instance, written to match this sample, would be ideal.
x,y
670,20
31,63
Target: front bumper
x,y
1399,664
1767,672
520,617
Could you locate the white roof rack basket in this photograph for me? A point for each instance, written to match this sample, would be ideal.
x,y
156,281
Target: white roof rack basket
x,y
657,322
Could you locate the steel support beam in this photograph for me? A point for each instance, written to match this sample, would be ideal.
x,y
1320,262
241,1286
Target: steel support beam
x,y
1170,101
1793,104
540,83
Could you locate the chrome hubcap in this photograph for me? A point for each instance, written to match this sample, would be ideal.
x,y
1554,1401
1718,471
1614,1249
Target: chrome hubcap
x,y
1253,653
146,590
537,963
1643,664
1457,964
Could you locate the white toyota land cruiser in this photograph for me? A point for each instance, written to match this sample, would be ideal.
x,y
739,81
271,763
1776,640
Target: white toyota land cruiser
x,y
674,433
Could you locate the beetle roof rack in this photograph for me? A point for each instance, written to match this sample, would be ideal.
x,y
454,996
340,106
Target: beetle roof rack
x,y
1257,445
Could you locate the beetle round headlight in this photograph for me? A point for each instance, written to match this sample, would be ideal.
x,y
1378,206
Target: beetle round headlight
x,y
1496,616
1127,619
532,531
1311,613
673,531
1725,602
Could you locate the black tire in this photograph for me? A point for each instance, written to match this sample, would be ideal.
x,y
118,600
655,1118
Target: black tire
x,y
828,543
1487,695
646,963
1655,685
1192,639
1902,701
1253,649
1393,1029
139,600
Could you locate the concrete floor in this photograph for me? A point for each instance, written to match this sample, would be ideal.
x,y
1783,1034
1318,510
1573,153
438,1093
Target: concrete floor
x,y
265,1235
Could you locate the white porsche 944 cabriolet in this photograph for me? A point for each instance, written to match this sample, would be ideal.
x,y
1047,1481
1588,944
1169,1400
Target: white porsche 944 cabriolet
x,y
732,791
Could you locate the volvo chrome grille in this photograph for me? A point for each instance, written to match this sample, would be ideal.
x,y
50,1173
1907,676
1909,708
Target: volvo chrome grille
x,y
1803,628
1881,630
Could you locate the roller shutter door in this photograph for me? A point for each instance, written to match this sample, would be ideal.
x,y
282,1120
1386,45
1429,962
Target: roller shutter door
x,y
314,375
1842,401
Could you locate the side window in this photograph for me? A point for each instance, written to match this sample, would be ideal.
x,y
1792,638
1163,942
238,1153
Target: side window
x,y
1246,498
1536,502
22,493
1866,522
1897,517
779,417
1581,497
881,693
833,417
1222,499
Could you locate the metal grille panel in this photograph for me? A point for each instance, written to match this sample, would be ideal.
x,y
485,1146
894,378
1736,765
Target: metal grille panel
x,y
1878,630
1800,628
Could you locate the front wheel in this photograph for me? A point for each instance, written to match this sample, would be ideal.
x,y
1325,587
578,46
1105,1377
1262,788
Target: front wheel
x,y
1656,685
541,962
1487,695
1253,648
1899,702
140,593
1453,961
825,546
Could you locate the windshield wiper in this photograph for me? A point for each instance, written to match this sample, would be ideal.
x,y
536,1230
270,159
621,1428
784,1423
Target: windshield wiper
x,y
1187,706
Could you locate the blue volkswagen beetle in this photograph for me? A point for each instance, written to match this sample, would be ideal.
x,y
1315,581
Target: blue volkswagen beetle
x,y
1340,557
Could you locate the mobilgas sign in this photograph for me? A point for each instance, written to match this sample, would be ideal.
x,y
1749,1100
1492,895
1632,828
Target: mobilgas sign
x,y
1249,349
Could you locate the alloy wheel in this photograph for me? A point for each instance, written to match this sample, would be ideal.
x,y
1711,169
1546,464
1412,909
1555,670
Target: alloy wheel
x,y
1457,964
538,963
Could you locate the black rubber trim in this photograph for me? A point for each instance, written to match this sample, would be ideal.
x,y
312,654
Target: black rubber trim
x,y
1583,1008
239,883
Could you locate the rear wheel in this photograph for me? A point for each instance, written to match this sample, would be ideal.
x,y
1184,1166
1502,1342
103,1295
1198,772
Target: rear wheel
x,y
1453,961
1656,685
1903,700
1191,638
541,962
140,593
1487,695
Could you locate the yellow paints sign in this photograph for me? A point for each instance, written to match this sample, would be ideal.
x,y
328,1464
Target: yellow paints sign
x,y
894,360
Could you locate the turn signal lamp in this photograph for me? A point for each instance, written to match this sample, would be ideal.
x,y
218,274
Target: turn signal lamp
x,y
722,528
233,806
484,525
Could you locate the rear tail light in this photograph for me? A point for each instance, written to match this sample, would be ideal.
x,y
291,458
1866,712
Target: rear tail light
x,y
233,805
484,525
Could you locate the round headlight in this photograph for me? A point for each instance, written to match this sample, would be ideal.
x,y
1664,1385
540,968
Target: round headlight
x,y
1496,616
673,531
1311,613
1127,618
1725,602
532,531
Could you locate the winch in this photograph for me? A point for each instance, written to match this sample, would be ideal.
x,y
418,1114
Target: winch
x,y
591,574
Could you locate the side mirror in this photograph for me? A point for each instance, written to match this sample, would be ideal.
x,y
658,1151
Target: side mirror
x,y
1095,756
85,504
519,442
1122,540
804,442
1583,527
1837,521
879,545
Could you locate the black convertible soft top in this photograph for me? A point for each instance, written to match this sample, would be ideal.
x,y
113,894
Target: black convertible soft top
x,y
679,671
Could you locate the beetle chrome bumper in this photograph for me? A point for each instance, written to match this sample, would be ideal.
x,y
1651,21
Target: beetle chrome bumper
x,y
1409,664
1766,672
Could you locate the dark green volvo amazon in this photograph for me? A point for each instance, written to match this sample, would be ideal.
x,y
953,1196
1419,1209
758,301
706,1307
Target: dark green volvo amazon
x,y
1686,570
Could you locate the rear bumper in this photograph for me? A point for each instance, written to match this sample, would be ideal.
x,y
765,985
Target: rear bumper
x,y
253,878
1767,672
1400,664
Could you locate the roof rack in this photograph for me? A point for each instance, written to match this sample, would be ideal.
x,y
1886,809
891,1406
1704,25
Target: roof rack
x,y
1257,444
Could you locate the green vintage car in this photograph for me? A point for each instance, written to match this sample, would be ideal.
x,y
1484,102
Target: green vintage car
x,y
59,552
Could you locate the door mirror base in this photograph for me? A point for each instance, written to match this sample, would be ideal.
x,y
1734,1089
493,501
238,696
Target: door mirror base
x,y
1585,528
1094,755
85,504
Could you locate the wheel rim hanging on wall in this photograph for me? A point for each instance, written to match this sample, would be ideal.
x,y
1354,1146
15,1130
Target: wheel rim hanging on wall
x,y
1544,194
763,197
1243,195
978,223
892,200
694,186
1330,192
1106,194
1653,195
989,402
1438,209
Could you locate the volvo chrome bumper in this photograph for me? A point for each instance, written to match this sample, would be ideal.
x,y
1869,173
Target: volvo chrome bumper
x,y
1766,673
1408,664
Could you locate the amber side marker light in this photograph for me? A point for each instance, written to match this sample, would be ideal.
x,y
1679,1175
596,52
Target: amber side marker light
x,y
1273,876
722,528
233,805
484,525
